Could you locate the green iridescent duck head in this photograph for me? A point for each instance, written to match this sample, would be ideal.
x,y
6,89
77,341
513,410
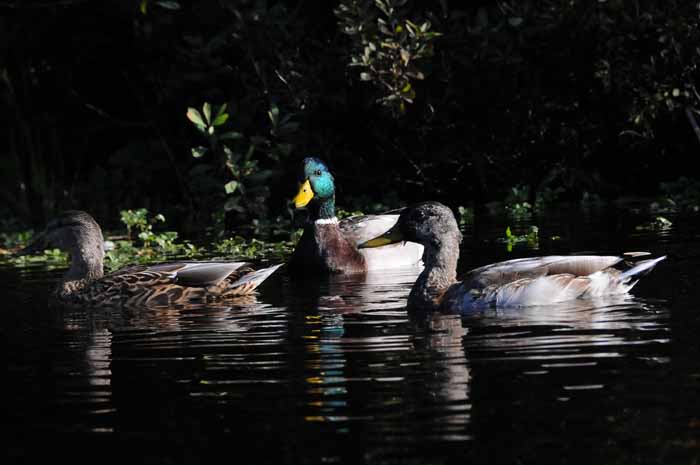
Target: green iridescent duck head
x,y
318,186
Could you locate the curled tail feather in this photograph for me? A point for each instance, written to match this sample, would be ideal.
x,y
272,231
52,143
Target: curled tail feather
x,y
249,282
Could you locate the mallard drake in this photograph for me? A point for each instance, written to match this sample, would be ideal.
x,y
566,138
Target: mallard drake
x,y
330,246
520,282
85,283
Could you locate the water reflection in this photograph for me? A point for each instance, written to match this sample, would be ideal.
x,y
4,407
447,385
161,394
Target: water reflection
x,y
336,370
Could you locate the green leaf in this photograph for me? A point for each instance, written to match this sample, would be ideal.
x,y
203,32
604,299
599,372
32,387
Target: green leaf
x,y
220,119
206,108
221,110
143,7
230,187
231,135
194,116
274,114
169,5
365,77
198,152
515,22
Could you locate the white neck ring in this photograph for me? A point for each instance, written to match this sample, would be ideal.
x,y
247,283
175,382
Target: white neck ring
x,y
333,220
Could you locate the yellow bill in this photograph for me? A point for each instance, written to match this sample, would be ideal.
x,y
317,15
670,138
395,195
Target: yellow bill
x,y
304,195
392,236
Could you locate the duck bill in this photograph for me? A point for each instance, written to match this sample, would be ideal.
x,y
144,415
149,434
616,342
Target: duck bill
x,y
304,195
392,236
39,244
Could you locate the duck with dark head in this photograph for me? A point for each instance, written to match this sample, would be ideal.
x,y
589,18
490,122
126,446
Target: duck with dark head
x,y
85,283
330,246
513,283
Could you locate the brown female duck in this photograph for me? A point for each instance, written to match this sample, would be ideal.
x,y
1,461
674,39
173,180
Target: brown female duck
x,y
520,282
331,246
85,283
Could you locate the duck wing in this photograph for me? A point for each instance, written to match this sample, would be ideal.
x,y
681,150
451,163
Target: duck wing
x,y
204,274
246,280
186,274
502,273
547,280
361,228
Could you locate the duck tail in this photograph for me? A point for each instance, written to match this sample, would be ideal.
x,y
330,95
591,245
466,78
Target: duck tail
x,y
250,281
640,268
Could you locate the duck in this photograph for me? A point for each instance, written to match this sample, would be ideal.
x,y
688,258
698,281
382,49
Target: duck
x,y
164,284
331,246
512,283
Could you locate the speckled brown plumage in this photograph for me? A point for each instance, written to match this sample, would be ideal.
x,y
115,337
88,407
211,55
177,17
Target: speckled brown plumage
x,y
150,285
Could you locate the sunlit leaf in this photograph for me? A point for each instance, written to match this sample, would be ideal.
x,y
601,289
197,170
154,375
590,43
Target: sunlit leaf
x,y
198,152
365,77
194,116
230,187
206,108
221,110
219,120
143,7
274,114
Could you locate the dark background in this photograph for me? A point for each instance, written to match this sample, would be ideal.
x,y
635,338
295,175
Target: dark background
x,y
573,99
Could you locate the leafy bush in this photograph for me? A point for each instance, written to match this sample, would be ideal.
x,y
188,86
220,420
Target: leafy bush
x,y
387,48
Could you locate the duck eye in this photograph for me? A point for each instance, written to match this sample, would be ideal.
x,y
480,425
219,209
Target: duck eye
x,y
317,172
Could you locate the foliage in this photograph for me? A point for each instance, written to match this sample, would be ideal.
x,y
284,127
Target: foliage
x,y
682,194
387,48
153,246
532,238
516,203
14,239
342,213
50,259
658,224
466,215
254,249
573,100
246,187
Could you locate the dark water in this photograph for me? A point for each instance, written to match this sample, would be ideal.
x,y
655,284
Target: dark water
x,y
336,370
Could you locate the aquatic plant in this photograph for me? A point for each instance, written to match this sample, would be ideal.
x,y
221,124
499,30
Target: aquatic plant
x,y
149,246
466,215
658,224
516,202
11,240
682,194
240,247
532,238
